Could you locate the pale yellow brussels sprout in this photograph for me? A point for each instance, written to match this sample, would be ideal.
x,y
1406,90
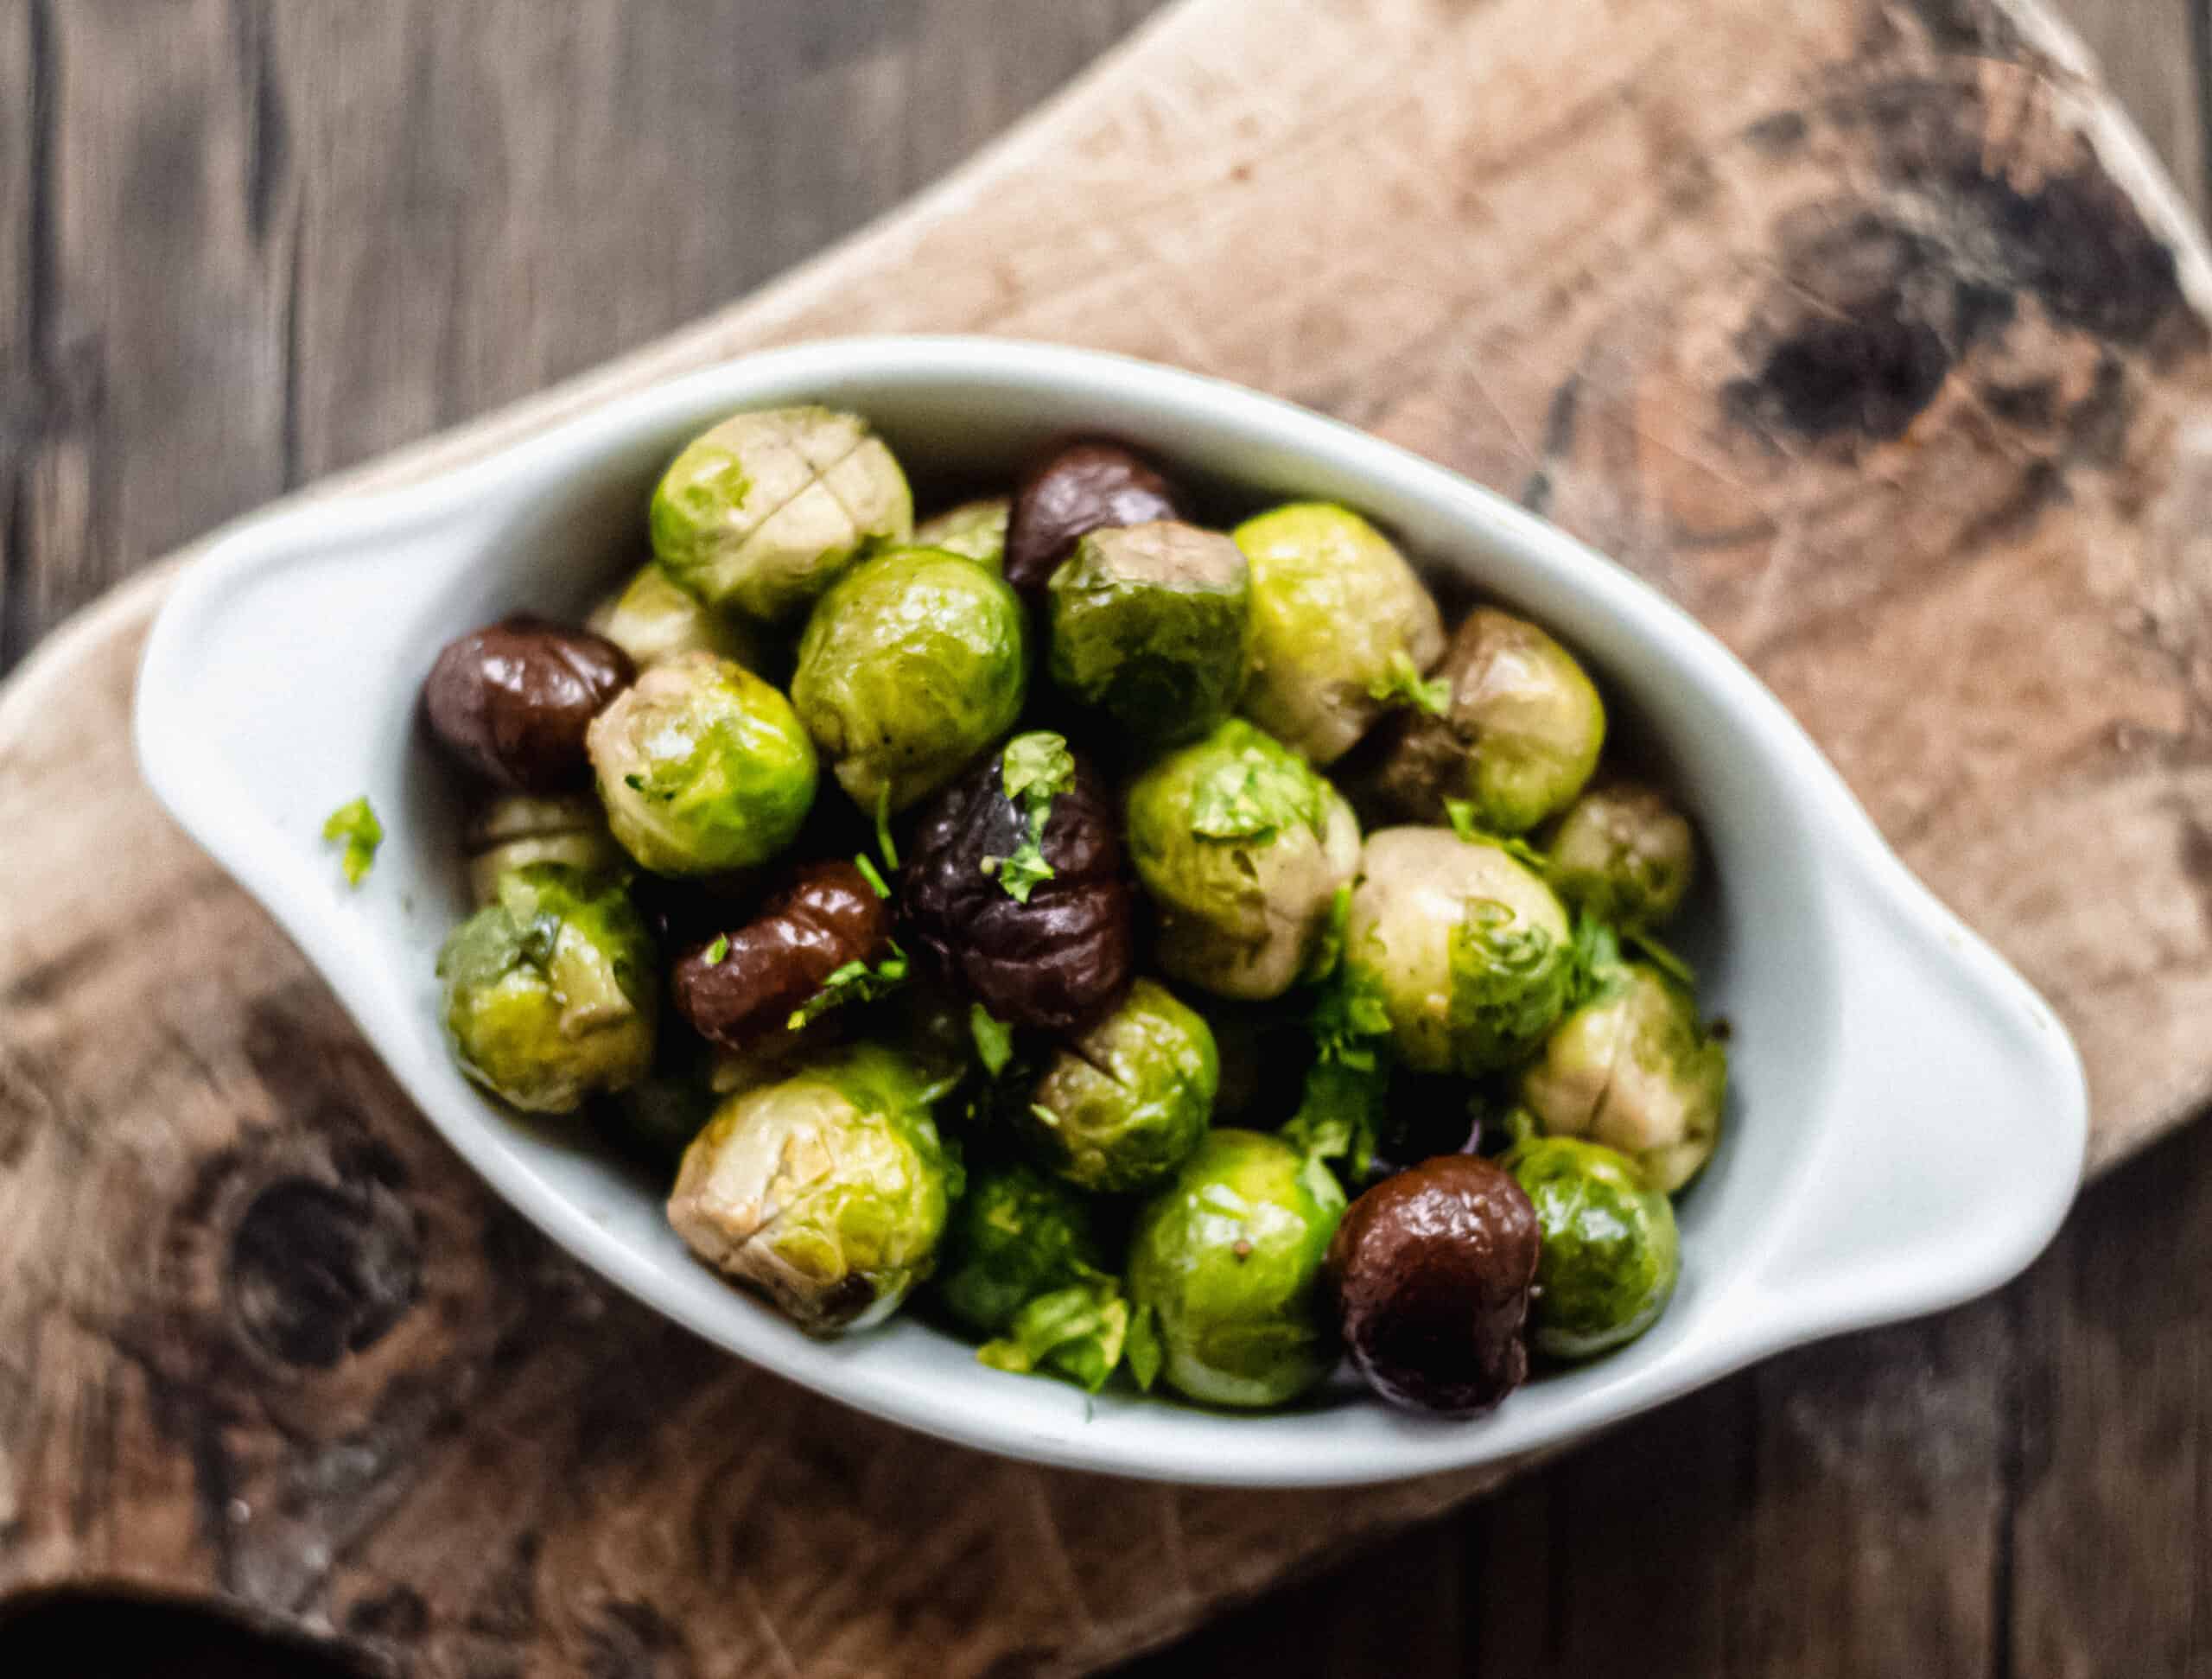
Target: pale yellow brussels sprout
x,y
517,829
1242,850
827,1192
1516,737
1633,1069
760,514
551,993
913,666
975,529
1471,953
1341,627
652,620
1625,854
702,767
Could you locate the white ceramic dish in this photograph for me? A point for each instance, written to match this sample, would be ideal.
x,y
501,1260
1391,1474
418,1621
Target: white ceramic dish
x,y
1907,1117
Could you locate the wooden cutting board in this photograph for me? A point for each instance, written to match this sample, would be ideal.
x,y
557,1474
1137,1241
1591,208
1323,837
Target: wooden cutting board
x,y
1863,327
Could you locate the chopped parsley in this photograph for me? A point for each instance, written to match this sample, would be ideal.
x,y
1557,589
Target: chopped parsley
x,y
1402,684
1254,796
1036,769
866,864
356,825
1661,957
993,1039
1342,1104
883,841
856,981
718,950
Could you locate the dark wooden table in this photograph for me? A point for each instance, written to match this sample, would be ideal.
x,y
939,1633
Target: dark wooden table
x,y
245,242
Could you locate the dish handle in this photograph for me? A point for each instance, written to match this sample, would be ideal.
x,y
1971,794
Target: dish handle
x,y
1957,1133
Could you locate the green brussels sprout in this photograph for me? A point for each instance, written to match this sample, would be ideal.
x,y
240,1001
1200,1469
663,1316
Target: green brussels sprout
x,y
976,529
910,666
760,514
652,619
827,1192
1339,621
1516,736
1625,854
1470,951
1243,849
550,993
1610,1254
1016,1234
1633,1068
1151,624
1228,1260
517,829
1120,1107
702,767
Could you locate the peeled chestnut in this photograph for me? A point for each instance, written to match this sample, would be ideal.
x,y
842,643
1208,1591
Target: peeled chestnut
x,y
1432,1271
511,702
740,988
1056,959
1086,486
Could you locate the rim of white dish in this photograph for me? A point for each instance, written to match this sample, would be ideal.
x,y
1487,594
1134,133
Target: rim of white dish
x,y
189,779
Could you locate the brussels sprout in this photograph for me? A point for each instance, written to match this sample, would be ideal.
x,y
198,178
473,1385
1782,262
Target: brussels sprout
x,y
1015,1235
760,514
1625,854
1243,849
827,1192
521,828
1120,1107
650,619
550,992
1338,617
914,664
1151,624
702,767
1228,1260
1470,951
1633,1068
1517,737
975,529
1609,1259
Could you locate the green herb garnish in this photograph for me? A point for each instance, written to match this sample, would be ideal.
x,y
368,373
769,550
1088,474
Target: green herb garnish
x,y
718,950
356,825
866,864
883,841
856,981
1037,768
993,1039
1402,684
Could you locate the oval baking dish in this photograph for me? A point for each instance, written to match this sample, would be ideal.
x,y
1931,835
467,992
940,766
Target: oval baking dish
x,y
1906,1119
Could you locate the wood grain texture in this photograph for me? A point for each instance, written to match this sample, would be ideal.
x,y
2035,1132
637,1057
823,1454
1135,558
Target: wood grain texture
x,y
218,1451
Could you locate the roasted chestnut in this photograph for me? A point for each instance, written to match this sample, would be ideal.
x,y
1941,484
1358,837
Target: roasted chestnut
x,y
1032,912
511,702
745,985
1432,1271
1090,486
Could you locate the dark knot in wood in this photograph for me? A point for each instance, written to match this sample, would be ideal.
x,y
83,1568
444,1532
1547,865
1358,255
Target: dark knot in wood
x,y
318,1270
1876,297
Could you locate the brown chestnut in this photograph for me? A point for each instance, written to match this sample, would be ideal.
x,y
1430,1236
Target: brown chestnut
x,y
742,987
1090,486
511,702
1056,960
1432,1271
